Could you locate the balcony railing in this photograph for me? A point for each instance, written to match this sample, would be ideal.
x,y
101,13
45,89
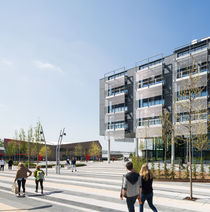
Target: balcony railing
x,y
120,91
151,122
191,50
117,125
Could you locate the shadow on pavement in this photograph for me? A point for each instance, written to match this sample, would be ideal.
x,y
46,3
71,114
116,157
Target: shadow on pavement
x,y
45,194
30,209
40,207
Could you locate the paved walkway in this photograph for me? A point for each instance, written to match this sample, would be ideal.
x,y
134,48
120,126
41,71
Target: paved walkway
x,y
96,187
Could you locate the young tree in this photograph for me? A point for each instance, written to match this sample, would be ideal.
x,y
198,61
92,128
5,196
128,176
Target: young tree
x,y
190,107
1,143
37,139
95,150
67,153
194,170
42,151
29,143
22,141
17,143
78,150
201,141
166,136
11,148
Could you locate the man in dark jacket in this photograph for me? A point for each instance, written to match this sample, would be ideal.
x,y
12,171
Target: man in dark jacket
x,y
73,163
10,163
131,187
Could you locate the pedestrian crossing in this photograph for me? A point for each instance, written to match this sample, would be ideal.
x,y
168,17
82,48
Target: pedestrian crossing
x,y
96,187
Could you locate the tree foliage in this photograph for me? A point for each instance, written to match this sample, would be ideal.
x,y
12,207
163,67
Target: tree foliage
x,y
42,151
78,150
11,148
95,150
1,143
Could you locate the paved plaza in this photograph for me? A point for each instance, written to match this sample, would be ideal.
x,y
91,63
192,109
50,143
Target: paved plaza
x,y
96,187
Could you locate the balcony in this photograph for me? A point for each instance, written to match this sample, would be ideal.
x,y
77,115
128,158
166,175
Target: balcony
x,y
192,51
149,111
152,131
197,126
149,92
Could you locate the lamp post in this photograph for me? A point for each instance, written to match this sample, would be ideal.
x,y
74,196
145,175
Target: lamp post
x,y
28,153
41,132
58,147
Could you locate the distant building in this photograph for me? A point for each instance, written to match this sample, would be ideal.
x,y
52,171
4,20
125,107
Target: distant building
x,y
1,152
80,150
115,154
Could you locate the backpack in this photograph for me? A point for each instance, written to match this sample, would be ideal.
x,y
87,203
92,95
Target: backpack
x,y
40,175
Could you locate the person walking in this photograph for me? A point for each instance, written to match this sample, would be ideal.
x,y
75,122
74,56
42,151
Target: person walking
x,y
10,163
39,178
146,191
130,187
2,163
21,175
68,164
182,163
73,163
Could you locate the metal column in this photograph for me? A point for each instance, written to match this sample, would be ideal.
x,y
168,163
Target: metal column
x,y
58,147
137,147
108,150
172,152
42,133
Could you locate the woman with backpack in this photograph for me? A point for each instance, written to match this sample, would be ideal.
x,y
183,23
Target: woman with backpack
x,y
146,191
39,178
21,176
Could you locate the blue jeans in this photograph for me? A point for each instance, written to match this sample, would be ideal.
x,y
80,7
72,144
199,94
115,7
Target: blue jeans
x,y
149,198
130,203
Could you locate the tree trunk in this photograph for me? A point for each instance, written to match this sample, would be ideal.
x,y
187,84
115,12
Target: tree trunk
x,y
165,152
201,160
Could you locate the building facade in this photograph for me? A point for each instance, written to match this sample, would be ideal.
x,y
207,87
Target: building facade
x,y
160,103
87,150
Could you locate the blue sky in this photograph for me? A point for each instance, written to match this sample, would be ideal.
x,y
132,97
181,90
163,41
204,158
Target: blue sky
x,y
53,53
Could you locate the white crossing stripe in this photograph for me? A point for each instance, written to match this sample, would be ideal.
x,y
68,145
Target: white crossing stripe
x,y
97,188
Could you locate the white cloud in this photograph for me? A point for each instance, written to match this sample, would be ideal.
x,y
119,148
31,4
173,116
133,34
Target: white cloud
x,y
6,62
47,66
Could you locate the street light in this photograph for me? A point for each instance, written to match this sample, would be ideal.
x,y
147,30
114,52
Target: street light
x,y
41,132
58,147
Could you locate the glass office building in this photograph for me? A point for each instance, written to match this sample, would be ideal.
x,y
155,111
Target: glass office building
x,y
133,102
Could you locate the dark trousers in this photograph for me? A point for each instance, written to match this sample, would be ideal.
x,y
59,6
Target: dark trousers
x,y
149,198
2,168
130,203
23,182
37,184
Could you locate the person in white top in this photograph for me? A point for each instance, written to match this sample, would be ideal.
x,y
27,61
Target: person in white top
x,y
2,163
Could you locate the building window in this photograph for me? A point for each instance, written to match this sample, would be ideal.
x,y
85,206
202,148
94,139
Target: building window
x,y
183,95
117,125
151,101
191,50
183,72
183,117
150,64
150,81
116,91
149,121
117,108
117,75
